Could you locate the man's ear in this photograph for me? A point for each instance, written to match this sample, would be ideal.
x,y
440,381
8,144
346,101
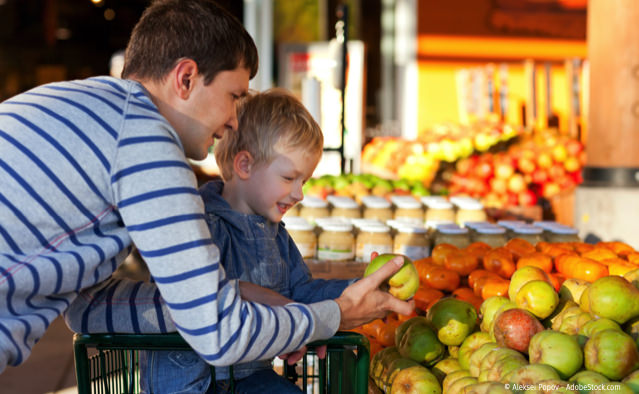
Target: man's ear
x,y
243,164
186,73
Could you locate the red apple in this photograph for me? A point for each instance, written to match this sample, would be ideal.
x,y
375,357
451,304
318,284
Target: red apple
x,y
483,170
544,160
515,327
516,183
539,176
556,171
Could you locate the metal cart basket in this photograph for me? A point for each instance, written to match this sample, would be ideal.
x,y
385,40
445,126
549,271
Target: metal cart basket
x,y
108,363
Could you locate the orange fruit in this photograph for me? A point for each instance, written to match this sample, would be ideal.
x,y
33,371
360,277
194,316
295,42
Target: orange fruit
x,y
519,247
495,287
478,249
537,259
425,295
461,262
499,261
620,248
441,251
599,253
478,273
618,266
442,279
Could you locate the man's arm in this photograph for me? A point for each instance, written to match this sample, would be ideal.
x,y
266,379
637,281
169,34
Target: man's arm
x,y
256,293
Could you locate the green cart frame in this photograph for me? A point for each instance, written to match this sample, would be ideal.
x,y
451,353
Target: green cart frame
x,y
113,365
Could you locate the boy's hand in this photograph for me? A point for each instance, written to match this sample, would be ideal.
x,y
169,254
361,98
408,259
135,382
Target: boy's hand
x,y
363,301
293,357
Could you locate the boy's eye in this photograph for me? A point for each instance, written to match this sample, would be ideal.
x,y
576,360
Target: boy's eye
x,y
288,178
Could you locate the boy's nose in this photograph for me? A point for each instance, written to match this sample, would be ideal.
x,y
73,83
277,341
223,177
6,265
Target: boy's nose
x,y
297,192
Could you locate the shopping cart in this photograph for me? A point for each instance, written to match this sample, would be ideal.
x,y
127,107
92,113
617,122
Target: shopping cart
x,y
108,363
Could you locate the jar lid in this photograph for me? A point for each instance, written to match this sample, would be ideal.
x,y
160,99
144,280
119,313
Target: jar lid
x,y
528,229
359,222
427,200
510,224
436,223
440,204
375,228
338,227
314,202
545,224
474,224
467,203
342,202
564,230
406,202
298,225
322,222
375,202
451,229
491,230
405,228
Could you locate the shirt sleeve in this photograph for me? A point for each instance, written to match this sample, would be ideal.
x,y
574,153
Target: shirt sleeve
x,y
156,196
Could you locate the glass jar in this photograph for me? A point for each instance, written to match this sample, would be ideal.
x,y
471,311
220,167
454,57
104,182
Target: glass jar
x,y
376,207
303,234
530,233
439,211
344,207
470,211
313,208
411,241
560,233
407,208
451,234
336,242
373,238
510,226
293,211
495,236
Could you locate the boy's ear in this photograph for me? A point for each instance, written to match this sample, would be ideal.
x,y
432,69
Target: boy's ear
x,y
242,164
186,72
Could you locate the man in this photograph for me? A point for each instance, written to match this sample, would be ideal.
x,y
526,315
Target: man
x,y
87,168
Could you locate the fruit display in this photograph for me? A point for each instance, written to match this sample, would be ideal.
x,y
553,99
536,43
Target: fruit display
x,y
419,159
537,166
518,318
357,186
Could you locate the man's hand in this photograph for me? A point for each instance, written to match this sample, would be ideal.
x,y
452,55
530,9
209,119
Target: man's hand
x,y
293,357
363,301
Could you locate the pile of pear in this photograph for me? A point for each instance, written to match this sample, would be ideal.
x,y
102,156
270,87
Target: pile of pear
x,y
581,339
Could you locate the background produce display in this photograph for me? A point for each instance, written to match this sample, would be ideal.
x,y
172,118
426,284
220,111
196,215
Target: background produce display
x,y
517,318
500,165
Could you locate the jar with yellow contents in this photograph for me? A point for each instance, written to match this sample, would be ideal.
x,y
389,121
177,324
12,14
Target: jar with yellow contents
x,y
530,233
495,236
376,207
303,234
407,208
373,238
451,234
344,207
438,211
312,208
336,242
470,210
411,241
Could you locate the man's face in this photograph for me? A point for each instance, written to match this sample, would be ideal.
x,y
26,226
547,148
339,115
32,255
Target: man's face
x,y
211,110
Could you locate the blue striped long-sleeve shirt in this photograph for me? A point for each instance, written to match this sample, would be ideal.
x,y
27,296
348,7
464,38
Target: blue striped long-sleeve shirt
x,y
86,169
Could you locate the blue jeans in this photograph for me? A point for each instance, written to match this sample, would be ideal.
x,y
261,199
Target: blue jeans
x,y
181,372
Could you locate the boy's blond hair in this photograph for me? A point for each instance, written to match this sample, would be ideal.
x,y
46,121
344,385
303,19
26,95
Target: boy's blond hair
x,y
265,120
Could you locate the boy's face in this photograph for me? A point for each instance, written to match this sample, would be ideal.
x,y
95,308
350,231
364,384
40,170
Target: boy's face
x,y
274,188
212,110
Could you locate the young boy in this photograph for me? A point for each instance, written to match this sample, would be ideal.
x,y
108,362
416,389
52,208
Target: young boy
x,y
87,168
263,166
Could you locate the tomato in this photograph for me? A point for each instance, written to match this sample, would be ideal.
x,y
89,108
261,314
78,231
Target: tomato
x,y
500,261
461,262
442,279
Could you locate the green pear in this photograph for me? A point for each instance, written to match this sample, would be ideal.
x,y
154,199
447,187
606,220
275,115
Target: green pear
x,y
404,283
452,378
557,314
478,355
486,388
460,384
470,344
560,351
572,288
538,297
632,277
593,326
444,367
530,374
419,342
586,377
415,379
613,297
613,353
393,369
632,381
453,319
572,324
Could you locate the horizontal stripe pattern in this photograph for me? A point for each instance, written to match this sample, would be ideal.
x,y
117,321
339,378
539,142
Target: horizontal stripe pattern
x,y
79,162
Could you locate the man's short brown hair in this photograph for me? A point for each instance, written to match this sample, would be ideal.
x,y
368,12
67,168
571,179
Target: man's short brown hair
x,y
273,118
201,30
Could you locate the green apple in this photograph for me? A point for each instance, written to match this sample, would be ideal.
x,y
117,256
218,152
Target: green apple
x,y
560,351
537,297
453,319
522,276
415,379
404,283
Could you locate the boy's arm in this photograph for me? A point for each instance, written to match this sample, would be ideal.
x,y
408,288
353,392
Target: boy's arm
x,y
301,283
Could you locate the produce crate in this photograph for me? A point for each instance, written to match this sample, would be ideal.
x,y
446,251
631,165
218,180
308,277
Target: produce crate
x,y
108,363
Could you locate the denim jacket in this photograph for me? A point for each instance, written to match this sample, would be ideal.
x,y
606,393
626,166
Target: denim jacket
x,y
255,250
